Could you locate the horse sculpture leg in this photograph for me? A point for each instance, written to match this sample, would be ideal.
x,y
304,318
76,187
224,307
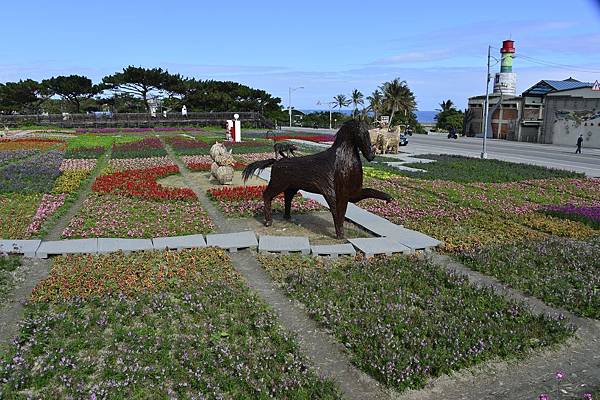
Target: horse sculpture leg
x,y
289,195
268,195
367,193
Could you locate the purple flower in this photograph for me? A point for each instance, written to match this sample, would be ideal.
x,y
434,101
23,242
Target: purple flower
x,y
560,374
587,396
544,396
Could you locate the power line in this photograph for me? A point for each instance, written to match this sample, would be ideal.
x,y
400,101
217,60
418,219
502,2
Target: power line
x,y
552,64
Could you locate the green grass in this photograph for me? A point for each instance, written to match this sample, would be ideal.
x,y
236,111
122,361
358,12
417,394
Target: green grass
x,y
16,212
562,272
7,266
210,338
466,169
406,321
95,140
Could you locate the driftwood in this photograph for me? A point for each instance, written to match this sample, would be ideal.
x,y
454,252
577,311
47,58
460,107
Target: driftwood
x,y
336,173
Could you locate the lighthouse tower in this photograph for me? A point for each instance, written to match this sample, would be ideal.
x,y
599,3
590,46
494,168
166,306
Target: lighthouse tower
x,y
506,80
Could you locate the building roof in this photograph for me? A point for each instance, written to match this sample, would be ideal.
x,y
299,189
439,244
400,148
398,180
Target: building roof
x,y
546,86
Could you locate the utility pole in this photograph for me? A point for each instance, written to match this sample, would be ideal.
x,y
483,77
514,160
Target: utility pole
x,y
486,104
291,89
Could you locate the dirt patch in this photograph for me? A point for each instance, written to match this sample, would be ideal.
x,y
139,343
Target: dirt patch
x,y
317,226
204,181
32,271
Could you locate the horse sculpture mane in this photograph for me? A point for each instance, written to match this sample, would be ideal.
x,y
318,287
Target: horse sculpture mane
x,y
336,173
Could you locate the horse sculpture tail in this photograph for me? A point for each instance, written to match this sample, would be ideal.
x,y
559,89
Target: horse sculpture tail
x,y
257,165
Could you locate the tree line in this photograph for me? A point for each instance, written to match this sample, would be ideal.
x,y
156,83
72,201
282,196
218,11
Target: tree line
x,y
132,90
394,99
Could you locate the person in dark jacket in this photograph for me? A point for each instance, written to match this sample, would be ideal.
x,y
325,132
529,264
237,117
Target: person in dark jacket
x,y
579,144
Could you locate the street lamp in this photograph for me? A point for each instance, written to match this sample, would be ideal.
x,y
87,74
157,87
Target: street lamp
x,y
290,101
487,101
330,104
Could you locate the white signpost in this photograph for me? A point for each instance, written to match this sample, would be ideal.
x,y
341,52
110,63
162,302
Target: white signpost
x,y
234,129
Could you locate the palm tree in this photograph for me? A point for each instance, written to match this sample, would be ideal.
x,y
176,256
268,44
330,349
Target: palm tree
x,y
357,98
375,102
341,101
397,96
447,105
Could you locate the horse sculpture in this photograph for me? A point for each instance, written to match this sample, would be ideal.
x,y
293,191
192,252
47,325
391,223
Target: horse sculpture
x,y
336,173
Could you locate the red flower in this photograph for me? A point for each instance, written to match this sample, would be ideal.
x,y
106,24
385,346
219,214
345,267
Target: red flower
x,y
142,183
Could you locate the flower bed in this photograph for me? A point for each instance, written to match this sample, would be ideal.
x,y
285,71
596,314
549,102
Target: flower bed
x,y
187,328
562,272
135,130
251,157
31,144
406,321
84,276
246,201
16,212
70,181
149,147
187,146
34,174
80,164
48,206
310,138
117,216
587,215
142,183
124,164
9,156
85,152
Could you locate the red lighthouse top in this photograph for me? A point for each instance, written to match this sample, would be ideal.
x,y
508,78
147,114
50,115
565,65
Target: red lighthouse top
x,y
508,46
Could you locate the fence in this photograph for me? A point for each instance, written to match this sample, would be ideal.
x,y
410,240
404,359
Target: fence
x,y
131,120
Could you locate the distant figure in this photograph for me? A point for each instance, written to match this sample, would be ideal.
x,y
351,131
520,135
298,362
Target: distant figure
x,y
184,111
284,149
579,144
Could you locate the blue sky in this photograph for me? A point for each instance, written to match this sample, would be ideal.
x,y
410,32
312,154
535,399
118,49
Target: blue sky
x,y
329,47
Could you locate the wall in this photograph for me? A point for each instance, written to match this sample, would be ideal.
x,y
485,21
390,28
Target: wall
x,y
571,113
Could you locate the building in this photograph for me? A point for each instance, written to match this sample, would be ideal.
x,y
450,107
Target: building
x,y
505,119
558,111
548,112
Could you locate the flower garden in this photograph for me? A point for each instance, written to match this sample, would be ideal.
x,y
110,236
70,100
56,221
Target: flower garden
x,y
160,325
184,324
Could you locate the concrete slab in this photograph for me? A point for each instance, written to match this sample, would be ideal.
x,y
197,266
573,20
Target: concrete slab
x,y
413,239
232,241
333,250
112,245
25,247
401,167
179,242
283,244
375,246
73,246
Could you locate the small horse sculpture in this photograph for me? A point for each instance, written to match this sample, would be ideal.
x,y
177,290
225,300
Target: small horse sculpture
x,y
336,173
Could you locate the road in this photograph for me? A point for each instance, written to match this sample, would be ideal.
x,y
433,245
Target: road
x,y
547,155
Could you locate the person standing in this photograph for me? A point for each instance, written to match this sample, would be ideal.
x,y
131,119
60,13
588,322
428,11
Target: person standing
x,y
579,144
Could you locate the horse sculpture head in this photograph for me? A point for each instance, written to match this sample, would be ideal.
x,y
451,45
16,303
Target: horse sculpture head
x,y
357,131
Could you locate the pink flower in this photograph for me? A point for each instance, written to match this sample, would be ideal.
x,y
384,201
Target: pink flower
x,y
544,396
560,374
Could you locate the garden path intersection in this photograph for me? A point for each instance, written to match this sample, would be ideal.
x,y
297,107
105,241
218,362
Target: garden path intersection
x,y
333,358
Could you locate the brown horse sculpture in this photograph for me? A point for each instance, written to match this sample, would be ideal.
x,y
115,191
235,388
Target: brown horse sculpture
x,y
336,173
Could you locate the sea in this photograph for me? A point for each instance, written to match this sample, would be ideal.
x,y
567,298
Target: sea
x,y
422,116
